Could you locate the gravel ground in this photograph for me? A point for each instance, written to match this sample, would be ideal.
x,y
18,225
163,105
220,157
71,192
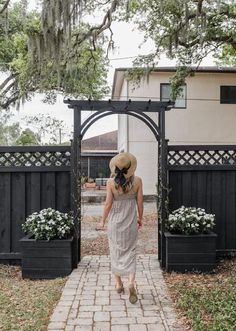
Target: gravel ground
x,y
95,242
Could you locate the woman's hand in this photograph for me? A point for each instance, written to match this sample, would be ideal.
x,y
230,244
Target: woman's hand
x,y
140,223
107,206
101,226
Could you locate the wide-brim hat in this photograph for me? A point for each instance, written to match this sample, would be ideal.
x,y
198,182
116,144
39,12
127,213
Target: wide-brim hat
x,y
123,160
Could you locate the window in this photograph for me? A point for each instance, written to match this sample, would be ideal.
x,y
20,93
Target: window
x,y
165,95
228,94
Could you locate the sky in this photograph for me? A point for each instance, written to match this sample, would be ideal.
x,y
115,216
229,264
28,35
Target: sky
x,y
127,46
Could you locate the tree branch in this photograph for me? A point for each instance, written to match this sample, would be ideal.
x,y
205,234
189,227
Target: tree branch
x,y
222,39
9,101
225,39
97,30
4,6
188,45
16,95
228,13
7,80
8,88
199,6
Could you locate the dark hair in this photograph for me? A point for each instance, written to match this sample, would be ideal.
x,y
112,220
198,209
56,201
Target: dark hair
x,y
120,179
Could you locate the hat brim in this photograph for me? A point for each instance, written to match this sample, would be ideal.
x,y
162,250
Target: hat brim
x,y
130,159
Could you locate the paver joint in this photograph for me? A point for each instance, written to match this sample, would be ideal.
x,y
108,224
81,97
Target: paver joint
x,y
89,301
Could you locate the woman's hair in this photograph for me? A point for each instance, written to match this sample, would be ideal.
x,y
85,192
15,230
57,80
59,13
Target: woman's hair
x,y
121,181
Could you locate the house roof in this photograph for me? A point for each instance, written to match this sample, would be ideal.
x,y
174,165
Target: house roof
x,y
120,75
104,142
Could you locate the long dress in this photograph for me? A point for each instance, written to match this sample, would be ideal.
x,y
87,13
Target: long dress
x,y
122,230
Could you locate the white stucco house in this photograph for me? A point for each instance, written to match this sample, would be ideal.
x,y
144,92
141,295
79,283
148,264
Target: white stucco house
x,y
204,114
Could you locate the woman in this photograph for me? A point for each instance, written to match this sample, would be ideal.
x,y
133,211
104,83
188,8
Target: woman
x,y
124,192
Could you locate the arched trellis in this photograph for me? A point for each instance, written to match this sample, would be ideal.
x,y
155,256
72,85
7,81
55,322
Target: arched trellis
x,y
146,119
139,110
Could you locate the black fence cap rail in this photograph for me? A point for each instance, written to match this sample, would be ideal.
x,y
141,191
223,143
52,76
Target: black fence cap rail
x,y
33,168
201,147
31,149
115,105
202,167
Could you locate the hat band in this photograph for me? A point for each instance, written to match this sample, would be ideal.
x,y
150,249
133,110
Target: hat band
x,y
120,178
122,171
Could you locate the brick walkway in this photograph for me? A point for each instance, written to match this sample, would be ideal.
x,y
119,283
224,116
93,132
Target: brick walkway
x,y
89,301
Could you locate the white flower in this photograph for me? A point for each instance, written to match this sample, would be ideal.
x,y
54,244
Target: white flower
x,y
48,223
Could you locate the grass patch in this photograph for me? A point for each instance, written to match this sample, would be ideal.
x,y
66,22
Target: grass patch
x,y
206,302
26,305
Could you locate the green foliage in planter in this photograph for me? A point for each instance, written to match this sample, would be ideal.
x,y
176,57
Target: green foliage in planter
x,y
84,179
49,224
190,220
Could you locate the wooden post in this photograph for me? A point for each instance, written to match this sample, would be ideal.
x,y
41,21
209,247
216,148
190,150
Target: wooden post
x,y
79,195
76,185
163,187
159,197
73,203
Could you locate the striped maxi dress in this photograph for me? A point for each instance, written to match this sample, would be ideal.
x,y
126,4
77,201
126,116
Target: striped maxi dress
x,y
122,230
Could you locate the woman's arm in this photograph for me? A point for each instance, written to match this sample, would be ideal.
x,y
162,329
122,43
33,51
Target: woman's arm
x,y
108,203
140,202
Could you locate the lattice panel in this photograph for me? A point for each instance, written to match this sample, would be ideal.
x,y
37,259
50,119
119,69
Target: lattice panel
x,y
35,159
202,157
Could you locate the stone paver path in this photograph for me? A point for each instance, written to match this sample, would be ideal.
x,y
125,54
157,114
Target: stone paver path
x,y
89,301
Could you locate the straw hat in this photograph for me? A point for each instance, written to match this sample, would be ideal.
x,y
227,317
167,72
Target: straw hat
x,y
124,160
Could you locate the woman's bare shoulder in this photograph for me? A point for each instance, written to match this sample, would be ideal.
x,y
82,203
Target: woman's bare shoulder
x,y
110,182
138,182
138,179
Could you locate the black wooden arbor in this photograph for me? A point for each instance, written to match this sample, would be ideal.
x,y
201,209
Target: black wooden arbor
x,y
138,109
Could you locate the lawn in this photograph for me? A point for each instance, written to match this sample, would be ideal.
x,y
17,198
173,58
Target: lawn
x,y
206,302
26,304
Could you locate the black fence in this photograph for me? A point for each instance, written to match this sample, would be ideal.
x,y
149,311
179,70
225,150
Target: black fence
x,y
205,176
33,178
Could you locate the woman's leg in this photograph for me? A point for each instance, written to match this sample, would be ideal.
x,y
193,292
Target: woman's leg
x,y
119,284
131,278
132,291
118,280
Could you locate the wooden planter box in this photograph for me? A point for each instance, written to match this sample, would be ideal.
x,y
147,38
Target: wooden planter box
x,y
190,252
42,259
90,185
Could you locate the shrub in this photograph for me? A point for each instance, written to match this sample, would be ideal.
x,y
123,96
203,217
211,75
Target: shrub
x,y
48,224
190,220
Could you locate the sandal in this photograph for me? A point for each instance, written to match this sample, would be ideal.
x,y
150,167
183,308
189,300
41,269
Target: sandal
x,y
120,289
133,298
